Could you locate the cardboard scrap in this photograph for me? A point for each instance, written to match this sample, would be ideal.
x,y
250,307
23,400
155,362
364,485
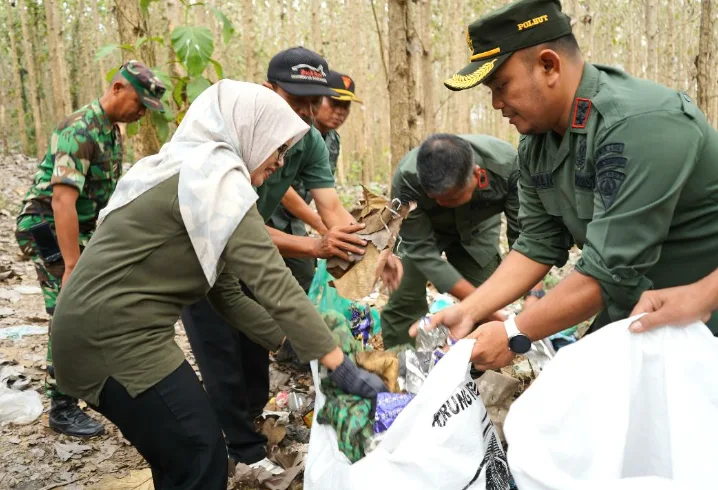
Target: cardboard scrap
x,y
356,278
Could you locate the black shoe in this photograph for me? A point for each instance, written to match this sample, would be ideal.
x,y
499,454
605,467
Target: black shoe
x,y
67,418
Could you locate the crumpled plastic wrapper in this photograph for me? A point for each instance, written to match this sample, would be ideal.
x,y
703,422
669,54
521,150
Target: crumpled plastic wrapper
x,y
388,408
355,279
429,340
417,365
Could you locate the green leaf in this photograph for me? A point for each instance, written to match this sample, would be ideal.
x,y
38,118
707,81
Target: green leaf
x,y
169,114
217,68
144,39
145,5
105,51
133,128
160,123
194,47
195,87
227,27
178,92
111,74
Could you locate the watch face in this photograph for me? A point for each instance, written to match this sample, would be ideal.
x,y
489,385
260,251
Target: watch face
x,y
520,344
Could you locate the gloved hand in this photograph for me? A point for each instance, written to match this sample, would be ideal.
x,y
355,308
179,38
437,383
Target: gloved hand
x,y
353,380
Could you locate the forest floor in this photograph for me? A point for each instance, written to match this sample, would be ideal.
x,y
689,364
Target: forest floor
x,y
34,457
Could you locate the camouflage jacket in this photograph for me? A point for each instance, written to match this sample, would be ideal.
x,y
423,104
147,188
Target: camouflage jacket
x,y
86,153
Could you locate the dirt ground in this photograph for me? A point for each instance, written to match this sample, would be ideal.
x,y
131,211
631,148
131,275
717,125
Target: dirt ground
x,y
33,457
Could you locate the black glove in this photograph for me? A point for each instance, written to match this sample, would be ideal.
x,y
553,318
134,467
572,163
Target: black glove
x,y
353,380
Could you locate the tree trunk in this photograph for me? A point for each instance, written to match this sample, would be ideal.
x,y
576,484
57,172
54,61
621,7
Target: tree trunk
x,y
427,60
248,42
651,32
3,114
40,139
102,64
132,24
15,55
704,62
60,78
316,34
401,85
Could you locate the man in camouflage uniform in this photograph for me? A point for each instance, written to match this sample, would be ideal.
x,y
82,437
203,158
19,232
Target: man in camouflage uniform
x,y
294,211
72,184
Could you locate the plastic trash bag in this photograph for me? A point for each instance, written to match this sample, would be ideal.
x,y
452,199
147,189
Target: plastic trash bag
x,y
619,410
19,407
442,439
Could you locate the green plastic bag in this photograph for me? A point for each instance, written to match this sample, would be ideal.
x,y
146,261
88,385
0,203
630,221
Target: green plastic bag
x,y
325,298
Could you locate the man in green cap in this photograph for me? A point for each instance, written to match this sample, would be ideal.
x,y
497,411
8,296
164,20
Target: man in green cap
x,y
72,184
461,185
295,212
623,167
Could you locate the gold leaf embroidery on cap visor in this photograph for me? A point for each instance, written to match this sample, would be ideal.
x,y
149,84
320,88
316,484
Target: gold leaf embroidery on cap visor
x,y
467,81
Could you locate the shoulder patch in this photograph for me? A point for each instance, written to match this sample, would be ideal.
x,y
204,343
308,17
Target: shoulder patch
x,y
581,153
609,148
542,181
581,111
585,181
609,183
610,162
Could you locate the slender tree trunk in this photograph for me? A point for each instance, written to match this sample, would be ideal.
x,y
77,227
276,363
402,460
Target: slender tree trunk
x,y
651,32
40,140
102,64
704,61
427,58
3,113
15,54
248,42
401,85
316,35
132,24
60,78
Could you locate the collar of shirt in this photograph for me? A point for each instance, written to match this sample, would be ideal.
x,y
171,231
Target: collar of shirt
x,y
105,124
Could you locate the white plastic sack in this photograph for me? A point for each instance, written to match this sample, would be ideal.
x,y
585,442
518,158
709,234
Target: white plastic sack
x,y
442,439
19,407
621,411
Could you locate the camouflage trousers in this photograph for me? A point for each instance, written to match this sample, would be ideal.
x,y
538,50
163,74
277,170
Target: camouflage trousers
x,y
50,278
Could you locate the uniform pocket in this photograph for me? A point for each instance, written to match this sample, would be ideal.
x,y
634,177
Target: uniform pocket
x,y
551,201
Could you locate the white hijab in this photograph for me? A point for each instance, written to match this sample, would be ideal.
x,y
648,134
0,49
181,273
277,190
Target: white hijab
x,y
228,131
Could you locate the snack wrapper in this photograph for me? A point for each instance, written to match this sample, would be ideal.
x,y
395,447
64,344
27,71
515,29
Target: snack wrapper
x,y
388,408
428,340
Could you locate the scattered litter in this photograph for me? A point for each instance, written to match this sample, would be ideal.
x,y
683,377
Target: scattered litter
x,y
28,289
19,407
281,400
297,402
18,331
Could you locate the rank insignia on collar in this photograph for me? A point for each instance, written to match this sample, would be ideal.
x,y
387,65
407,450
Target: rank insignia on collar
x,y
581,111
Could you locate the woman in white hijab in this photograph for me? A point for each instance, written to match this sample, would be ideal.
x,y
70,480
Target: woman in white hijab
x,y
182,224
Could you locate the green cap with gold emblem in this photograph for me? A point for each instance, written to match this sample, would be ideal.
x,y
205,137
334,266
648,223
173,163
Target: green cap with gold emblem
x,y
495,36
149,88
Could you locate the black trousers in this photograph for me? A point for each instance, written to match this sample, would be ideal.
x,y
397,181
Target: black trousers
x,y
173,427
235,374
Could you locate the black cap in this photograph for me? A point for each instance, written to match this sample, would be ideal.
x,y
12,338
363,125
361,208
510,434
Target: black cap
x,y
343,85
497,35
300,72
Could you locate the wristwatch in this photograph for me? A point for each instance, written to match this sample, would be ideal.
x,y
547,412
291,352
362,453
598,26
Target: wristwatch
x,y
539,294
518,342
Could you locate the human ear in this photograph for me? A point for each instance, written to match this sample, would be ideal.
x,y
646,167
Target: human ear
x,y
550,63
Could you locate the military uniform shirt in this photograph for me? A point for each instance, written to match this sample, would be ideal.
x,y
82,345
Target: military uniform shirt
x,y
85,153
476,225
282,218
116,315
634,182
307,161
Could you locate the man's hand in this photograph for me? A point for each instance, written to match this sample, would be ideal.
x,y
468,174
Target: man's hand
x,y
338,241
491,350
672,306
389,269
455,318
